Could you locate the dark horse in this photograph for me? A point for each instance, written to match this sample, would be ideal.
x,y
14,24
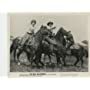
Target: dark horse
x,y
16,47
79,54
61,51
31,49
55,45
15,44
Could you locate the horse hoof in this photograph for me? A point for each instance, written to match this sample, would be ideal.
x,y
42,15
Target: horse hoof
x,y
19,63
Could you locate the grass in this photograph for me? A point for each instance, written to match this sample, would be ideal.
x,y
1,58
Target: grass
x,y
70,60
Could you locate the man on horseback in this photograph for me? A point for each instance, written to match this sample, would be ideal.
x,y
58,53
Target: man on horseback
x,y
51,27
30,33
49,39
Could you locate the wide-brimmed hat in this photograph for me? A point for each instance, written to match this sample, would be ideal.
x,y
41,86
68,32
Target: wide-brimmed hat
x,y
33,21
50,23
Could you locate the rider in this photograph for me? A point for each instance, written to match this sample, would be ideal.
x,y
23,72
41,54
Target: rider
x,y
49,38
51,27
29,33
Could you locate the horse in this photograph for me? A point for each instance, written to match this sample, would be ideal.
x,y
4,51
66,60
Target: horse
x,y
61,43
79,53
46,48
55,45
15,44
32,47
16,47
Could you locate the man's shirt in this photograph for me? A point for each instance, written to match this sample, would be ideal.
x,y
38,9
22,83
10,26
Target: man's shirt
x,y
31,29
51,28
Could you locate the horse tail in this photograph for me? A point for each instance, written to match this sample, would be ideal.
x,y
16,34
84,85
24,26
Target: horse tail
x,y
14,44
86,53
11,48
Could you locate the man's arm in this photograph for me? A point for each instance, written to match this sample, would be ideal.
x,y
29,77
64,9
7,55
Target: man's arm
x,y
53,28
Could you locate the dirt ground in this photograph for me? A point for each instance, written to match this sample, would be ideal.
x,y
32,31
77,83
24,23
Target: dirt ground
x,y
70,60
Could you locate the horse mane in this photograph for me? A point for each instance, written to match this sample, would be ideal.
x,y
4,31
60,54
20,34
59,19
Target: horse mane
x,y
58,34
42,31
41,28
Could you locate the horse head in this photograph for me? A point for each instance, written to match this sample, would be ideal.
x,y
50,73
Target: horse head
x,y
44,30
70,38
41,34
60,34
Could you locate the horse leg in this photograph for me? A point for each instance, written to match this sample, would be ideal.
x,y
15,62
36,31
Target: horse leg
x,y
28,55
33,58
11,48
14,55
44,56
64,61
76,61
49,59
58,60
81,58
39,59
36,61
28,58
18,54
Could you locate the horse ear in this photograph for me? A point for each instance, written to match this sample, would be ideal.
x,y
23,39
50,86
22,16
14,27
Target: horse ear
x,y
61,28
69,32
41,26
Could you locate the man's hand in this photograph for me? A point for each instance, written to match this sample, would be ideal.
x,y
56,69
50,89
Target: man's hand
x,y
53,28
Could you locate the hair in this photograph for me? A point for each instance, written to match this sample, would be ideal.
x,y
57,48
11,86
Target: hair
x,y
33,21
50,23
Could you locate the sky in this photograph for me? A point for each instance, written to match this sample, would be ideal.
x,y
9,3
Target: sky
x,y
76,23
